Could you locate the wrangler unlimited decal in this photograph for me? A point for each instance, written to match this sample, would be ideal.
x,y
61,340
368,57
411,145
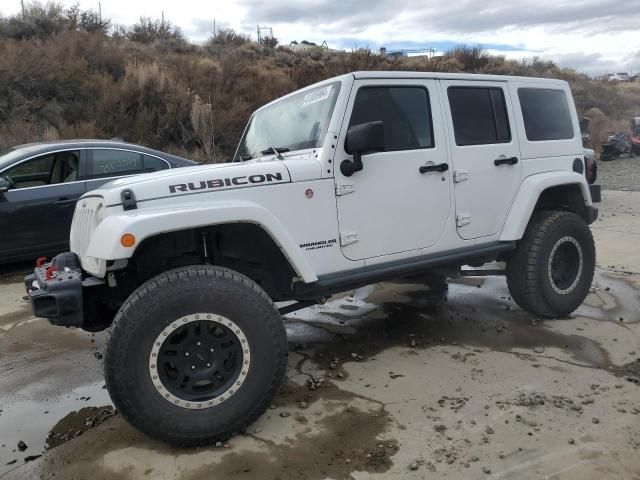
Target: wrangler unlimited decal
x,y
225,182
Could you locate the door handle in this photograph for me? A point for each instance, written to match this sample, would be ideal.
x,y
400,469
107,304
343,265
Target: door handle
x,y
441,167
64,201
505,161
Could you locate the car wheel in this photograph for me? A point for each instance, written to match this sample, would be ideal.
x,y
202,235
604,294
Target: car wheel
x,y
551,271
195,355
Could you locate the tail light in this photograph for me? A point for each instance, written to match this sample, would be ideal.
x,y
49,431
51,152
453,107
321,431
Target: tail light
x,y
591,169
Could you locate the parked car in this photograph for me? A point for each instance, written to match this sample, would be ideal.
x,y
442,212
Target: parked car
x,y
369,176
617,144
41,182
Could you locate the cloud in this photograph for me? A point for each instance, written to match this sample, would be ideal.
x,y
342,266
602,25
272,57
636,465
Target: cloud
x,y
451,17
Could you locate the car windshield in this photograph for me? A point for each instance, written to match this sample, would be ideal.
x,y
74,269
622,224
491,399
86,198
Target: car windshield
x,y
294,123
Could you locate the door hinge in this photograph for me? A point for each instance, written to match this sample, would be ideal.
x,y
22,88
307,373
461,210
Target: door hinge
x,y
348,238
460,176
463,219
345,188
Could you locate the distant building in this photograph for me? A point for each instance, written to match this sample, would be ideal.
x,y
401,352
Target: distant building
x,y
405,52
306,46
620,76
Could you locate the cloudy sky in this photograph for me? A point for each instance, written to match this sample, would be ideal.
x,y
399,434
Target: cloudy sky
x,y
593,36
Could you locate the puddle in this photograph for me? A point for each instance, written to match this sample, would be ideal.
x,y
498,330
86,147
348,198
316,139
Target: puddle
x,y
30,421
476,312
76,423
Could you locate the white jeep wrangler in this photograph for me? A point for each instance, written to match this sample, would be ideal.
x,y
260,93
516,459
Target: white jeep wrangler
x,y
361,178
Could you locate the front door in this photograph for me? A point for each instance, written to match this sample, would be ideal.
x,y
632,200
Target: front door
x,y
485,154
36,214
391,206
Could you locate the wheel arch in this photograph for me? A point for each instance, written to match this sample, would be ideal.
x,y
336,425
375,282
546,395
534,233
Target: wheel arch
x,y
567,191
156,223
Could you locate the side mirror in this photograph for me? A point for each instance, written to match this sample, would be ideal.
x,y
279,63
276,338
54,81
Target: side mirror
x,y
4,185
362,139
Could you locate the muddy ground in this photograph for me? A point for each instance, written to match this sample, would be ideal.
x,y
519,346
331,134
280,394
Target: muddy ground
x,y
389,381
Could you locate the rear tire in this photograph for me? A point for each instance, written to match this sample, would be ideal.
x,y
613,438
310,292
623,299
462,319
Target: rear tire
x,y
551,271
211,326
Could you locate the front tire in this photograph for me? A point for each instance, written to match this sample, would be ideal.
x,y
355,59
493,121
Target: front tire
x,y
551,271
195,355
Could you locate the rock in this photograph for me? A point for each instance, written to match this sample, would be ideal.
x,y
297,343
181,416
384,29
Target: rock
x,y
489,430
98,355
413,466
257,430
475,459
302,404
218,444
413,343
440,428
595,420
486,470
572,441
22,446
11,462
284,414
538,349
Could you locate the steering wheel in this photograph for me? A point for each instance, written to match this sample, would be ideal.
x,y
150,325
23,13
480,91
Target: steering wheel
x,y
12,184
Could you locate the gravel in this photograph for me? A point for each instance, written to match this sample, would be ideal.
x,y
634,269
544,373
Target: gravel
x,y
620,174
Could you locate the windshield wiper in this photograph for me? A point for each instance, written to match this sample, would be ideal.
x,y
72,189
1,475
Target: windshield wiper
x,y
276,150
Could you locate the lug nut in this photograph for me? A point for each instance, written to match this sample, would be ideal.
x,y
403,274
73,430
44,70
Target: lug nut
x,y
186,354
197,343
208,364
211,349
193,367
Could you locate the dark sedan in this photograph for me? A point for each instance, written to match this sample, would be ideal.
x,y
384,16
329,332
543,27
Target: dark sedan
x,y
40,183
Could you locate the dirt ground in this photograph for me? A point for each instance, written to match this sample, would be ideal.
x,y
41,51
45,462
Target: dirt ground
x,y
620,174
390,381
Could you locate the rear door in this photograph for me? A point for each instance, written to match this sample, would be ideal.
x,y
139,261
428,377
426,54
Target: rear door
x,y
35,215
105,164
485,154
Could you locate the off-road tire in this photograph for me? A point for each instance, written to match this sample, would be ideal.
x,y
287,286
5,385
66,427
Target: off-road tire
x,y
529,268
167,298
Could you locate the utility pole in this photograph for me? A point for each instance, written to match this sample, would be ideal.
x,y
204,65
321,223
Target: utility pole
x,y
214,27
99,12
22,3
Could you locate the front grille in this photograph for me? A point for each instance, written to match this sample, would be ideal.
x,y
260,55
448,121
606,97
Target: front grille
x,y
85,220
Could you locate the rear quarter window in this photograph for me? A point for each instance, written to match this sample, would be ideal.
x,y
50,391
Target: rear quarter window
x,y
546,114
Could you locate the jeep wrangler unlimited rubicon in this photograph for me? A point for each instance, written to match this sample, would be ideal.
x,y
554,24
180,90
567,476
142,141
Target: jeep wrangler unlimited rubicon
x,y
361,178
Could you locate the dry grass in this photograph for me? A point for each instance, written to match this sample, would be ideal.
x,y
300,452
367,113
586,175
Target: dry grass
x,y
79,83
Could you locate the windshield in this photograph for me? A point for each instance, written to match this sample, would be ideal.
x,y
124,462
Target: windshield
x,y
295,123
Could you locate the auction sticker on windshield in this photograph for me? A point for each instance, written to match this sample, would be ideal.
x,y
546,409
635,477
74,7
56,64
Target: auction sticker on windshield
x,y
317,95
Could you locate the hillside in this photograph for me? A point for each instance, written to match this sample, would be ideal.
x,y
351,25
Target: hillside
x,y
65,73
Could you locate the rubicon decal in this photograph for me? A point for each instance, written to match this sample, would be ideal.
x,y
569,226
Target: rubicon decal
x,y
226,182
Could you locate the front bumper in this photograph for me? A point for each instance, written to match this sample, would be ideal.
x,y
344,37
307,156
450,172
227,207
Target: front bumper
x,y
55,291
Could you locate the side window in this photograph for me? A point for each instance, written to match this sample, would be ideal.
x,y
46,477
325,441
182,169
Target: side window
x,y
153,164
112,163
479,115
546,114
405,111
32,173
